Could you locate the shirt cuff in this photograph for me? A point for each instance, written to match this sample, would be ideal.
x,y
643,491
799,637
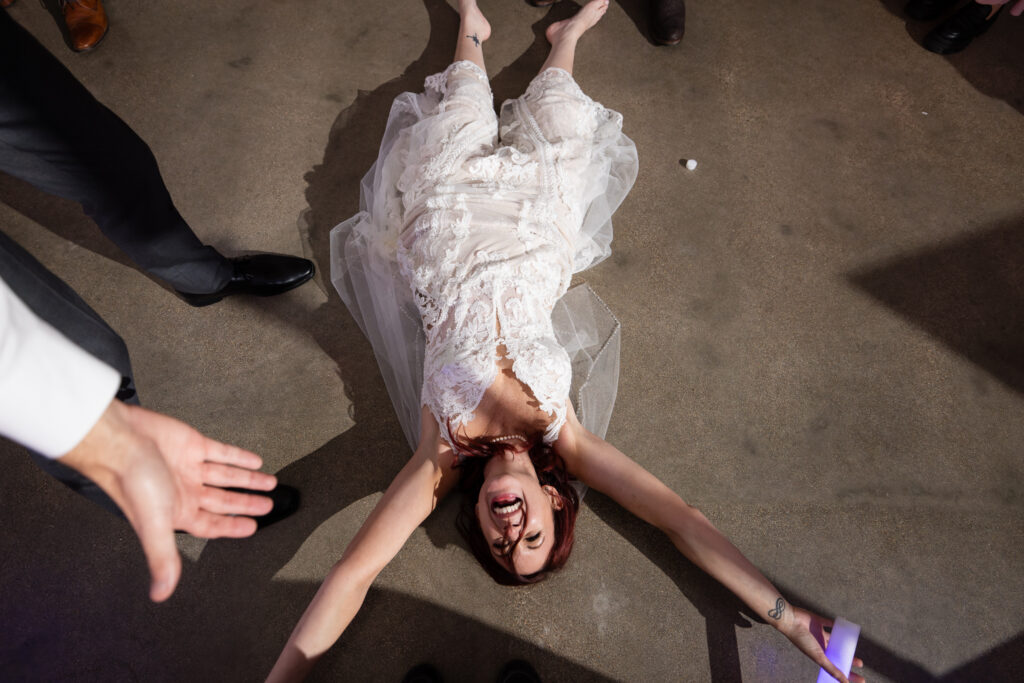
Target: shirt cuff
x,y
52,392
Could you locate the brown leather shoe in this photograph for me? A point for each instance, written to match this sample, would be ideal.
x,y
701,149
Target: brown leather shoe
x,y
668,20
86,22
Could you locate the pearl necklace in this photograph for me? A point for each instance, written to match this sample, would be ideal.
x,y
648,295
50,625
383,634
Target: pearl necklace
x,y
509,437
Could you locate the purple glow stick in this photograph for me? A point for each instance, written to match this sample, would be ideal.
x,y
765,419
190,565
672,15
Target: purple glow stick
x,y
841,646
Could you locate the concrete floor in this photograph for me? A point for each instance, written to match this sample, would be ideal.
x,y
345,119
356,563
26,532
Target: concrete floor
x,y
823,348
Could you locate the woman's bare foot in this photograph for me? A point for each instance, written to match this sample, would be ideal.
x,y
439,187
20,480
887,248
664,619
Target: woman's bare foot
x,y
474,24
572,28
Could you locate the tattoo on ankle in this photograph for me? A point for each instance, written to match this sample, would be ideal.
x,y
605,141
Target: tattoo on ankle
x,y
476,41
780,607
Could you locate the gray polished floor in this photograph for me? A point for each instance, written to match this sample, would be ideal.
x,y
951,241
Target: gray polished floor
x,y
823,347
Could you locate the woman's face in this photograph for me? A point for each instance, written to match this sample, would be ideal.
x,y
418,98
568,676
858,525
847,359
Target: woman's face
x,y
512,501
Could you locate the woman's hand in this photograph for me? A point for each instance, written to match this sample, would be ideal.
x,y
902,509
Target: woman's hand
x,y
806,630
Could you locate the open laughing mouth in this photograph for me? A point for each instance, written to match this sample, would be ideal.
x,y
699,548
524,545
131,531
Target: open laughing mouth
x,y
506,505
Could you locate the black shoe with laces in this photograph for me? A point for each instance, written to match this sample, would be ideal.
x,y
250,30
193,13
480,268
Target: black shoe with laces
x,y
258,275
957,32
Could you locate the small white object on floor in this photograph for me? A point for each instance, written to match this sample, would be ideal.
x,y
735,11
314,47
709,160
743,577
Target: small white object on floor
x,y
691,164
842,643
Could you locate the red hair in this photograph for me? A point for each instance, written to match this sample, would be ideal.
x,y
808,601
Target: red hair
x,y
474,455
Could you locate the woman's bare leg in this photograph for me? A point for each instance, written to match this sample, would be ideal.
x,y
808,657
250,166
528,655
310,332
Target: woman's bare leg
x,y
563,35
473,31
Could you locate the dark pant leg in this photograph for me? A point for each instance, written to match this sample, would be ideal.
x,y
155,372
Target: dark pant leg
x,y
55,135
56,303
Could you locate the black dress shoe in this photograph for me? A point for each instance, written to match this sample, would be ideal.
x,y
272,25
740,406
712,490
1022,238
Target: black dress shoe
x,y
926,10
286,501
258,275
957,32
518,671
423,673
668,21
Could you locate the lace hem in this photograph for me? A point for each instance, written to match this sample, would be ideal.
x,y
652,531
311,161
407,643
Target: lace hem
x,y
439,82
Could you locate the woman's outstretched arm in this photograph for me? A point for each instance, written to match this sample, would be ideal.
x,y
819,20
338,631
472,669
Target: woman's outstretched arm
x,y
603,467
407,502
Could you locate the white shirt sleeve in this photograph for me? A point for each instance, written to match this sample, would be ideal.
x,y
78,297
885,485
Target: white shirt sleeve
x,y
52,392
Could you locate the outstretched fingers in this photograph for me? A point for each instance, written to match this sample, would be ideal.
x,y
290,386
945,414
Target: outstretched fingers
x,y
832,670
216,474
838,675
825,663
807,632
227,454
222,502
206,524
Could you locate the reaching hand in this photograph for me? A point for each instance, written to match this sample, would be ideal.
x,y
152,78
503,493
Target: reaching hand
x,y
164,475
806,630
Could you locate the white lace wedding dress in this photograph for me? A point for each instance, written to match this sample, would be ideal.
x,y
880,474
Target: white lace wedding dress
x,y
469,232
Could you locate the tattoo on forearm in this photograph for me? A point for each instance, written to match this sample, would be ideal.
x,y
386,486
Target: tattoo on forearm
x,y
476,41
780,607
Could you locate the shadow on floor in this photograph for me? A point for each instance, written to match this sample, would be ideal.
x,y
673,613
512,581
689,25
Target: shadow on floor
x,y
723,612
72,614
1001,663
969,293
639,12
63,217
993,63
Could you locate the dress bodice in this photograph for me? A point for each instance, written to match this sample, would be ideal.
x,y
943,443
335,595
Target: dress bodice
x,y
480,284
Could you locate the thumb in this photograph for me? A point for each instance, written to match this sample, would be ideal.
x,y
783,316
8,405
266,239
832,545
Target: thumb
x,y
162,557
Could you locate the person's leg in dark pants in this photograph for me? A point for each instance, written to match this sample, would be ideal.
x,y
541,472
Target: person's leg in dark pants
x,y
55,135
